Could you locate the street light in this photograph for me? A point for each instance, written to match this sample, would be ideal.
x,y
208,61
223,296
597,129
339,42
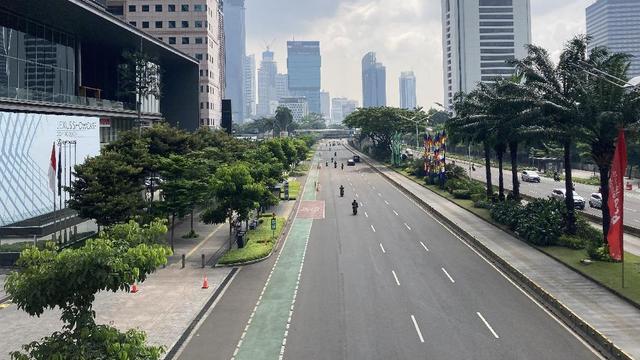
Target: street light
x,y
417,122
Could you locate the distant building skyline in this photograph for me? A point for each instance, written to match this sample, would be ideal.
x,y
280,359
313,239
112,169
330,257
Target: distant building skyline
x,y
282,86
266,83
249,86
235,52
341,108
304,71
325,105
374,82
407,90
616,25
297,104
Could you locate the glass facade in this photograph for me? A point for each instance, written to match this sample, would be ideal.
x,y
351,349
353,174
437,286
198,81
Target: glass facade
x,y
36,62
303,65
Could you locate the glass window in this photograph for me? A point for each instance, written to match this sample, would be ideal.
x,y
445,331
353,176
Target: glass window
x,y
185,24
158,24
133,23
132,8
145,8
198,23
171,8
199,56
198,8
184,7
145,24
185,41
172,40
198,40
158,7
172,24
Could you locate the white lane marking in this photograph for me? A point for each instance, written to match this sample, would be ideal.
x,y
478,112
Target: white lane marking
x,y
424,246
373,187
415,324
386,202
382,248
365,214
379,194
361,204
357,195
407,226
395,277
489,326
372,228
449,276
395,212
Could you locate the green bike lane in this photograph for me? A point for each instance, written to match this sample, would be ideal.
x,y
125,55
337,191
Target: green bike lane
x,y
264,336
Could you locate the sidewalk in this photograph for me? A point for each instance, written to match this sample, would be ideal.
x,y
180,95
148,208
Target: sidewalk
x,y
614,318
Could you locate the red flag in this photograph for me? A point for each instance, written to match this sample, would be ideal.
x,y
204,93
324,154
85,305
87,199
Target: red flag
x,y
616,198
52,169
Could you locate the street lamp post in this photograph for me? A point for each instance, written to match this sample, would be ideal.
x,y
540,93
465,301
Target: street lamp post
x,y
416,122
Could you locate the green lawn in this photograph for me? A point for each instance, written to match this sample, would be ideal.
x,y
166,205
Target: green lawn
x,y
258,243
294,190
300,170
605,272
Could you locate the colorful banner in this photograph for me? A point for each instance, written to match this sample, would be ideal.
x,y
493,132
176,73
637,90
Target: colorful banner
x,y
616,199
435,150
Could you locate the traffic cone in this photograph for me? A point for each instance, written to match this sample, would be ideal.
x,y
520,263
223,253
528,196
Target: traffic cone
x,y
134,288
205,283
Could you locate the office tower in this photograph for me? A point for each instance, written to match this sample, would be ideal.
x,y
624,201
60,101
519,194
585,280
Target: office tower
x,y
266,83
193,27
615,24
235,52
297,104
374,82
282,86
325,105
249,86
478,38
303,69
407,90
341,108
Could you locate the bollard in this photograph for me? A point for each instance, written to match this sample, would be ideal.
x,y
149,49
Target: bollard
x,y
203,261
183,261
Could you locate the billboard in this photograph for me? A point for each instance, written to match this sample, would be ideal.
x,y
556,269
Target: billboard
x,y
26,142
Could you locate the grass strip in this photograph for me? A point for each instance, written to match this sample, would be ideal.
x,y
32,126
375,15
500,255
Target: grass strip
x,y
258,243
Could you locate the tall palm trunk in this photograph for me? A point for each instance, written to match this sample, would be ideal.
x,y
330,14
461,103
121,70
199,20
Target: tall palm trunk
x,y
487,166
173,226
500,150
604,170
513,149
568,184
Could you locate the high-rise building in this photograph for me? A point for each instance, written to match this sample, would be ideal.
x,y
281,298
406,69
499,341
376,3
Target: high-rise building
x,y
298,106
303,69
374,82
267,83
478,38
194,27
235,52
282,86
615,24
407,90
249,87
341,108
325,105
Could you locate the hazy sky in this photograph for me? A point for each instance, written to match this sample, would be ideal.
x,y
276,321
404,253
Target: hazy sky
x,y
405,34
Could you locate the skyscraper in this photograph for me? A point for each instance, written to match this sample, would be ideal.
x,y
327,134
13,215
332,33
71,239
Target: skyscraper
x,y
325,105
298,106
195,28
235,52
341,108
266,83
478,37
374,82
615,24
249,87
282,86
303,69
407,90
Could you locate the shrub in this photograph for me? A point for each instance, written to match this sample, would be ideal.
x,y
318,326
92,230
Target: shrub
x,y
476,187
542,222
454,171
506,213
482,204
462,194
456,184
417,168
571,242
477,197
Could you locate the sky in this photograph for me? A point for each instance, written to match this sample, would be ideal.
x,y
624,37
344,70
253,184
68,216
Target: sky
x,y
405,34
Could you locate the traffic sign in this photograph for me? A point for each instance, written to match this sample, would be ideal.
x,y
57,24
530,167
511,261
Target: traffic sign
x,y
273,223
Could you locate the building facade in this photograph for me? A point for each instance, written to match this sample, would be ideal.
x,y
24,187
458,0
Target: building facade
x,y
195,27
303,68
298,105
408,90
341,108
282,86
615,24
325,106
249,87
374,82
266,83
235,52
478,38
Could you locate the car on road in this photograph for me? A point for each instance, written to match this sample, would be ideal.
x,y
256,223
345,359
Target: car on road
x,y
560,194
530,176
350,162
595,201
356,158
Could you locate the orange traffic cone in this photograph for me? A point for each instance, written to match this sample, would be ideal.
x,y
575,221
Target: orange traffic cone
x,y
205,283
134,288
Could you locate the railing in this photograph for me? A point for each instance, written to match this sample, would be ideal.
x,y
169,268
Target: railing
x,y
34,95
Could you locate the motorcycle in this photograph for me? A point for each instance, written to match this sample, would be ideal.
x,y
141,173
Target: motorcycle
x,y
326,163
342,166
335,153
354,207
341,191
335,165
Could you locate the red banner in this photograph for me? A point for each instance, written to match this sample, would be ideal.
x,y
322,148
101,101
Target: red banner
x,y
616,198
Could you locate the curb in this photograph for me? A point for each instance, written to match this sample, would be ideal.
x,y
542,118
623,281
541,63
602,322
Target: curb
x,y
586,331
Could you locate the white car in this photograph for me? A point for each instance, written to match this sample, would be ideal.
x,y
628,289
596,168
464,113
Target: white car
x,y
530,176
578,201
595,201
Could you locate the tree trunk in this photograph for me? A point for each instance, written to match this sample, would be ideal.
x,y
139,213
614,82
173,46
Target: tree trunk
x,y
173,223
500,154
192,211
513,149
487,167
568,185
604,192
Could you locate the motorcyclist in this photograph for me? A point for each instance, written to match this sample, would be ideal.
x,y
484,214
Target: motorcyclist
x,y
335,153
326,163
342,166
341,191
354,207
335,165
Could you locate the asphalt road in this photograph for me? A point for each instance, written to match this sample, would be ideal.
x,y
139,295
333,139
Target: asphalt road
x,y
392,283
546,185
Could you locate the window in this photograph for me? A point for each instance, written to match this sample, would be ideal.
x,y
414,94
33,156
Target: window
x,y
496,44
201,89
133,23
201,72
160,38
172,24
496,3
172,40
490,30
158,7
496,23
185,24
198,40
496,37
185,41
171,8
201,105
158,24
184,7
116,10
198,23
199,56
145,24
145,8
198,8
132,8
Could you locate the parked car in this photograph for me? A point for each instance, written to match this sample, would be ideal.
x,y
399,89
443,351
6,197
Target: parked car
x,y
530,176
356,158
560,194
595,201
350,162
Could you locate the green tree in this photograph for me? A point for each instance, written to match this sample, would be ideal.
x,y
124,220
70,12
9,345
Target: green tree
x,y
70,279
312,121
283,120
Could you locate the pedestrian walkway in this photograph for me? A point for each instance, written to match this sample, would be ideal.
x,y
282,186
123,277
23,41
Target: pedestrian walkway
x,y
613,317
